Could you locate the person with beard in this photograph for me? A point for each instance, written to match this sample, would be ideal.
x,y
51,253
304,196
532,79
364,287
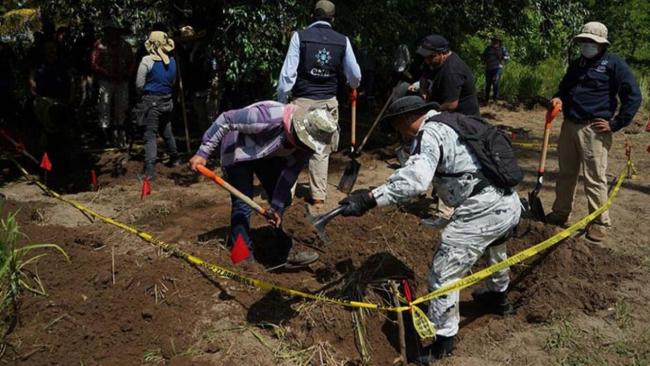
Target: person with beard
x,y
446,79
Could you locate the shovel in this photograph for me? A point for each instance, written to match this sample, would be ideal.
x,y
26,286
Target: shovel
x,y
351,172
319,222
352,169
536,207
235,192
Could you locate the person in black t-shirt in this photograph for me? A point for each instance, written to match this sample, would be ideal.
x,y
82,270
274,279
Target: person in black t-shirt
x,y
446,79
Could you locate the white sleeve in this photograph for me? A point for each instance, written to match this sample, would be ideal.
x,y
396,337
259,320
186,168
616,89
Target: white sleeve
x,y
416,175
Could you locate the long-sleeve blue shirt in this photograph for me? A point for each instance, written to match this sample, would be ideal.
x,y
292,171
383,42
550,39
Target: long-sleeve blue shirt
x,y
591,86
289,72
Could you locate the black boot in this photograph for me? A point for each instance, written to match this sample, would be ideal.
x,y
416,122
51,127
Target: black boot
x,y
174,161
149,171
442,347
495,302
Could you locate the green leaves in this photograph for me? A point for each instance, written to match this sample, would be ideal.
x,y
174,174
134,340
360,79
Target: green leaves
x,y
15,274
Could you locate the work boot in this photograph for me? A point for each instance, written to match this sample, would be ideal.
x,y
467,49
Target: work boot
x,y
149,171
174,161
596,233
494,301
296,258
442,347
557,219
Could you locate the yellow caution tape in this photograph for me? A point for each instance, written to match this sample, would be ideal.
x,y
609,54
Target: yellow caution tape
x,y
423,325
527,253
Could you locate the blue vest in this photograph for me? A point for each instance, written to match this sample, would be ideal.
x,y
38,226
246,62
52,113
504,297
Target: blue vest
x,y
321,57
161,78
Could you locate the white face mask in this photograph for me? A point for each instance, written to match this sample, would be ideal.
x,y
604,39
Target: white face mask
x,y
588,49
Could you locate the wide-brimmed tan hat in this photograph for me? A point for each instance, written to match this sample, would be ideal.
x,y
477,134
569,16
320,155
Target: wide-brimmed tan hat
x,y
159,45
594,31
315,129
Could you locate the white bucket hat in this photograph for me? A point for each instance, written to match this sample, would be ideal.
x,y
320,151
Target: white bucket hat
x,y
159,45
594,31
315,129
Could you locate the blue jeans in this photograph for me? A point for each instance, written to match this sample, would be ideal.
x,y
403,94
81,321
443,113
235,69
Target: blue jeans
x,y
492,78
240,176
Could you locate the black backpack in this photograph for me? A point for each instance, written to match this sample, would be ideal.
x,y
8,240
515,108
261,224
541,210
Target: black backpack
x,y
490,145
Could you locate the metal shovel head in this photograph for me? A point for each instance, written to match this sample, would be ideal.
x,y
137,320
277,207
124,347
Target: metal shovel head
x,y
320,221
349,177
402,58
536,207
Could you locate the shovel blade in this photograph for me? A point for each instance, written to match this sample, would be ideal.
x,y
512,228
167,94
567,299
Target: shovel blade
x,y
319,222
349,177
536,207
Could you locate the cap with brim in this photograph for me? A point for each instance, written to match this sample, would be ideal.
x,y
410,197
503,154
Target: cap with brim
x,y
432,43
315,129
593,31
326,7
406,105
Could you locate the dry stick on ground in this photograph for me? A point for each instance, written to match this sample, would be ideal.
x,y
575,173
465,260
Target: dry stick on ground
x,y
400,326
113,262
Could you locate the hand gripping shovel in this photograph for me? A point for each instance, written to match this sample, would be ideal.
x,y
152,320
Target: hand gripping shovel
x,y
536,207
319,222
268,214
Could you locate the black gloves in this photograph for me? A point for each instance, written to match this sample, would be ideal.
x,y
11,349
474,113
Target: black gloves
x,y
357,203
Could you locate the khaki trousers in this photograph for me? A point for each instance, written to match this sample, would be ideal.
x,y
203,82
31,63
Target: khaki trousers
x,y
318,163
581,146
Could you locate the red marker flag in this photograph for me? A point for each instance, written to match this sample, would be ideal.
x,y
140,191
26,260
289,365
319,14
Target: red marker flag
x,y
93,179
648,149
647,127
45,163
240,250
146,188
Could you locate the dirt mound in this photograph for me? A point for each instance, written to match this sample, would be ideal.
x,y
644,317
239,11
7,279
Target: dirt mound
x,y
86,318
573,275
156,302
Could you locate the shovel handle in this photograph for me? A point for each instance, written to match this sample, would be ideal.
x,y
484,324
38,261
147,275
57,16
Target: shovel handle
x,y
234,191
550,116
353,102
374,124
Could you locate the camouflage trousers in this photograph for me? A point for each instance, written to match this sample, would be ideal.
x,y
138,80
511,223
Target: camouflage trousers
x,y
475,224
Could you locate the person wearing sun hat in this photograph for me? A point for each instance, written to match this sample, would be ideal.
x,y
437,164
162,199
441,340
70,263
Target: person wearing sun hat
x,y
484,215
272,141
589,96
155,81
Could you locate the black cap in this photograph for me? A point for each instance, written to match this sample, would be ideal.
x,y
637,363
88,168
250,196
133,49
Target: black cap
x,y
405,105
433,43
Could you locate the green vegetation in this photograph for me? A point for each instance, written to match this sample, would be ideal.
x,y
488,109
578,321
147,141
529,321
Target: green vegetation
x,y
15,275
252,35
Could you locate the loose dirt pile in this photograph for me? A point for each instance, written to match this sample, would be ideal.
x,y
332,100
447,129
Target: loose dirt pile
x,y
157,303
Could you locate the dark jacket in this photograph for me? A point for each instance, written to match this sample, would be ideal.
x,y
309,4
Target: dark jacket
x,y
591,86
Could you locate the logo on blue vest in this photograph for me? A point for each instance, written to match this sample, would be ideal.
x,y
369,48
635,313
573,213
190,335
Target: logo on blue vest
x,y
323,57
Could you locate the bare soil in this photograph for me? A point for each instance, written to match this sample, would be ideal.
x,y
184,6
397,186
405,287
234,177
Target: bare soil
x,y
123,301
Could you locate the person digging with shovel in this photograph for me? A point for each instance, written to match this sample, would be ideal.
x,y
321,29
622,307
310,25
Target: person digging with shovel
x,y
486,210
266,139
